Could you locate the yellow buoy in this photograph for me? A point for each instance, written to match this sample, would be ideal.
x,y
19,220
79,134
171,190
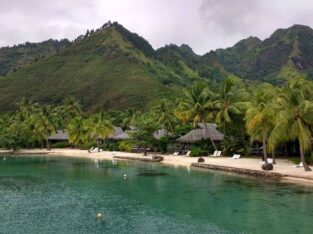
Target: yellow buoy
x,y
99,216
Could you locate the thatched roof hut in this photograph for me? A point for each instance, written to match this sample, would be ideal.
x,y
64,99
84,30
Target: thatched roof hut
x,y
59,135
160,133
118,134
203,131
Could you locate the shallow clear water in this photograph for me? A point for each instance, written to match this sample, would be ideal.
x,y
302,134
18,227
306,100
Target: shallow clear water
x,y
54,195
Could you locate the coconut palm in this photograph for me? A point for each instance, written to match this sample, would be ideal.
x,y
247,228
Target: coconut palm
x,y
25,108
260,115
164,115
78,131
43,121
128,116
229,101
295,117
196,105
99,127
70,109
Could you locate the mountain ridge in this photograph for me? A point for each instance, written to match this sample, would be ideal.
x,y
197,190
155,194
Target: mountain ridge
x,y
111,67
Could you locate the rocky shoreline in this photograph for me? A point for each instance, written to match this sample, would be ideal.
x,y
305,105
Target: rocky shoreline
x,y
250,172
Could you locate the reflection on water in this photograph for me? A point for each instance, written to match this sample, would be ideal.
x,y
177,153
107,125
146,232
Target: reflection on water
x,y
54,195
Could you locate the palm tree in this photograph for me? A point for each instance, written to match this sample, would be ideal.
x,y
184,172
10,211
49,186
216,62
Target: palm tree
x,y
164,115
99,127
228,102
70,109
196,105
129,116
43,121
260,116
25,108
295,117
78,131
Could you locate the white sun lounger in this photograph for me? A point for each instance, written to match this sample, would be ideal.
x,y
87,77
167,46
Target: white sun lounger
x,y
235,156
175,154
216,153
300,165
95,150
188,153
269,160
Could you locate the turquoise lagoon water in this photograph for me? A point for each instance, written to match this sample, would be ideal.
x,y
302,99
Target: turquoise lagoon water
x,y
54,195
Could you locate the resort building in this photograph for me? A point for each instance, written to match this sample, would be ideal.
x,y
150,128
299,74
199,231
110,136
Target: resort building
x,y
59,136
201,132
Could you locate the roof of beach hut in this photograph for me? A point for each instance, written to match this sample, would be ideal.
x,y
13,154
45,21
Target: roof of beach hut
x,y
160,133
118,134
59,135
203,131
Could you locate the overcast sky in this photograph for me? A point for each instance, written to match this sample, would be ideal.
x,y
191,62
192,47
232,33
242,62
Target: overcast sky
x,y
203,24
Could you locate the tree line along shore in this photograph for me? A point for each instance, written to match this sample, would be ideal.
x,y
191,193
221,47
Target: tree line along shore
x,y
275,118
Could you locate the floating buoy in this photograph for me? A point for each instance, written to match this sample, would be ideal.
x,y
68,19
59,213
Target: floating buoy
x,y
99,216
4,158
125,176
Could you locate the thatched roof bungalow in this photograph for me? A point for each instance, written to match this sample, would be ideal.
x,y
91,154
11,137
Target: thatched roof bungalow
x,y
118,134
203,131
59,135
160,133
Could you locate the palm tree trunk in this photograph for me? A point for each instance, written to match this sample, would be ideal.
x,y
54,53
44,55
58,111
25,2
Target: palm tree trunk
x,y
305,166
208,132
48,145
265,146
273,156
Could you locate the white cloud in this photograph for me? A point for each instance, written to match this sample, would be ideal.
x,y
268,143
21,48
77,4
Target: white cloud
x,y
203,24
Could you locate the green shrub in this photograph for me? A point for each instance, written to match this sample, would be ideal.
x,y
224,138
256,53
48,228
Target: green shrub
x,y
87,146
125,146
163,144
113,147
62,144
196,151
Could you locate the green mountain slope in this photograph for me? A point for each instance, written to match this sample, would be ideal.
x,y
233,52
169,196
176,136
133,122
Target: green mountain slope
x,y
13,58
112,67
191,66
285,54
102,69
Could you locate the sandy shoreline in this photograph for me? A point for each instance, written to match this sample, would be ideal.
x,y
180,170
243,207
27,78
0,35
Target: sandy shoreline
x,y
283,167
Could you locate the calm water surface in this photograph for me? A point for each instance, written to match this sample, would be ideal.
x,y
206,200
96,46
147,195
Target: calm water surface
x,y
54,195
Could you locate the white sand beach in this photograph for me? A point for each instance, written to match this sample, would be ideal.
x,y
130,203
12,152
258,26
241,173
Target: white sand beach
x,y
282,166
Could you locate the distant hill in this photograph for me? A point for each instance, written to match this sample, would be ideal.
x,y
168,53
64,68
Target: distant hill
x,y
12,58
106,68
112,67
285,54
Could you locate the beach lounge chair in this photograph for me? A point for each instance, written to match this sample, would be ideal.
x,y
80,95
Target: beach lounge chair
x,y
91,150
235,156
175,154
95,150
217,153
300,165
188,153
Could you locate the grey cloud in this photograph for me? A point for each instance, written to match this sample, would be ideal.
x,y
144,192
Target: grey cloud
x,y
203,24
